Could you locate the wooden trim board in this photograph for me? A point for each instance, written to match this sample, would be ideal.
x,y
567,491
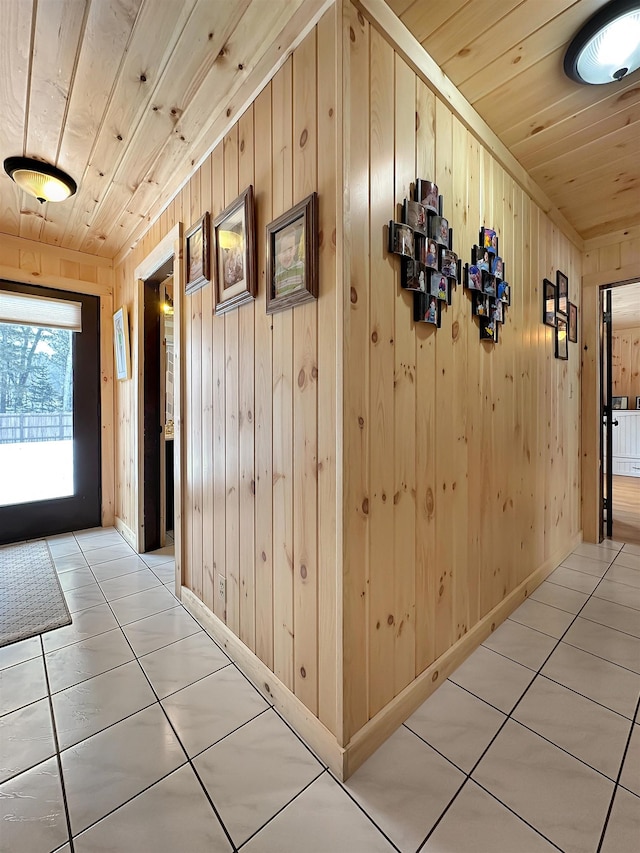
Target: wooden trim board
x,y
126,532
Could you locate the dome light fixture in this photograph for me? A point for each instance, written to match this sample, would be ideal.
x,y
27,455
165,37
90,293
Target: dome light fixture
x,y
607,48
42,181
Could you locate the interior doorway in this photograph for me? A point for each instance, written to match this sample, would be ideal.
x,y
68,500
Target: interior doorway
x,y
158,506
620,437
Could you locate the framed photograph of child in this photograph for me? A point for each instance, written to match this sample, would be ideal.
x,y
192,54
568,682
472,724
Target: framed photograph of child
x,y
292,256
414,275
562,340
234,239
573,323
427,309
497,267
439,286
481,258
439,230
449,264
196,255
562,293
415,215
401,239
504,292
548,303
489,284
427,195
473,278
489,240
489,329
481,306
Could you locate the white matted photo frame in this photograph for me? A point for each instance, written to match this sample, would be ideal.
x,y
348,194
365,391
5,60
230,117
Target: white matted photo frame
x,y
292,256
121,343
196,255
234,246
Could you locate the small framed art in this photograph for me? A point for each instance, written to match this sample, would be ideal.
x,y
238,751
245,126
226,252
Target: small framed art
x,y
401,239
439,230
427,195
573,323
619,402
427,309
121,343
489,329
489,240
473,278
234,234
414,275
562,339
292,256
504,292
481,258
415,215
196,253
449,264
562,293
548,303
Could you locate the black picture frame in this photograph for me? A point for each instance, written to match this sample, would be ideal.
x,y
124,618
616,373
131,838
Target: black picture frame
x,y
489,284
415,215
620,403
440,287
481,304
427,309
197,259
561,338
562,293
573,323
426,192
414,275
481,258
489,240
439,230
548,303
472,277
302,221
449,264
234,240
489,330
401,239
497,267
504,292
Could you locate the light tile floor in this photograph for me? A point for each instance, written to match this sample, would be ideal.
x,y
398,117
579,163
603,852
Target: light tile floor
x,y
131,731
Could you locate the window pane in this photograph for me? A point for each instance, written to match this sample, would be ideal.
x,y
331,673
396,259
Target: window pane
x,y
36,413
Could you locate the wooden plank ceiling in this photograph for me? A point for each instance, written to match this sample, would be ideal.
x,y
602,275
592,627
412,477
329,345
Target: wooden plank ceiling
x,y
124,95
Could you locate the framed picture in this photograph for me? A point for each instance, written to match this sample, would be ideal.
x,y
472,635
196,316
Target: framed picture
x,y
497,310
481,305
414,275
401,239
481,258
489,240
439,286
489,329
497,267
121,343
234,237
427,194
292,256
415,215
562,341
637,402
489,284
196,254
427,309
449,264
620,402
504,292
573,323
562,293
439,230
548,303
473,278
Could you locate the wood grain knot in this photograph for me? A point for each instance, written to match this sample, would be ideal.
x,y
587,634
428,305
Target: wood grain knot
x,y
143,78
354,295
303,572
493,626
441,590
430,502
390,619
361,18
303,138
119,137
417,120
352,34
361,422
301,378
314,372
455,330
365,506
330,112
241,146
240,67
384,497
228,112
434,677
264,557
465,51
374,337
632,93
377,626
396,498
303,672
253,487
267,688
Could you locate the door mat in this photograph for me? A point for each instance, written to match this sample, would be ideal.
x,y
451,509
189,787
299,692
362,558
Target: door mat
x,y
31,599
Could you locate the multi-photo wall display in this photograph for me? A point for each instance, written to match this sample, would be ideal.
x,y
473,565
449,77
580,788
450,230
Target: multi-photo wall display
x,y
424,240
485,278
560,314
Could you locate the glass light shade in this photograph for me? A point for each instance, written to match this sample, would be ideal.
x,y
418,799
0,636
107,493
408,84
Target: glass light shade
x,y
607,48
42,181
229,239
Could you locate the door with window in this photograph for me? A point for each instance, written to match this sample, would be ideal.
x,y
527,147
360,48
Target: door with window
x,y
49,411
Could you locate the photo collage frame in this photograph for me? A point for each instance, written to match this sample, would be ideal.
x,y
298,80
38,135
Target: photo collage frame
x,y
559,313
424,240
485,279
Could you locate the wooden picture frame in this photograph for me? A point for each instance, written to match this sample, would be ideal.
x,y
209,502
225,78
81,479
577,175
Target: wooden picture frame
x,y
573,323
292,256
197,258
562,338
548,303
122,350
234,241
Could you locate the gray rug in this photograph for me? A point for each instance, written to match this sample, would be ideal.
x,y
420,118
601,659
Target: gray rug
x,y
31,599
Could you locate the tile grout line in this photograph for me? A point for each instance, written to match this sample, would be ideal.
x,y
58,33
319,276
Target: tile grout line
x,y
617,781
56,743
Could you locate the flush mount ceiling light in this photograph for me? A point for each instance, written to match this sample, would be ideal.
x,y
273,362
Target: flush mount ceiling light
x,y
42,181
607,48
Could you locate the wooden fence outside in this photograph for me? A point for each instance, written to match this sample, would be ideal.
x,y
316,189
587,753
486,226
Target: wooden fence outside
x,y
52,426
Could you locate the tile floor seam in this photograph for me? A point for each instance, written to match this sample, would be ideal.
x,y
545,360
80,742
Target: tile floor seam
x,y
56,744
191,683
582,695
89,677
617,781
224,736
606,660
611,627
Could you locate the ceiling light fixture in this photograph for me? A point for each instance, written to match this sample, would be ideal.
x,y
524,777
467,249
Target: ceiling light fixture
x,y
42,181
607,48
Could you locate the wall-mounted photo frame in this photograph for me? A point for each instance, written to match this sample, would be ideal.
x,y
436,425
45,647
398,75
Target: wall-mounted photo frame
x,y
489,284
548,303
620,402
573,323
473,277
489,240
121,348
562,338
427,309
449,264
292,256
481,304
196,255
504,292
481,258
427,194
401,239
414,275
489,329
497,267
439,230
497,310
439,286
415,215
637,402
562,293
234,242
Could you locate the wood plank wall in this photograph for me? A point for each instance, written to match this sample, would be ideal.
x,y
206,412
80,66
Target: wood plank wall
x,y
36,263
626,365
260,495
461,458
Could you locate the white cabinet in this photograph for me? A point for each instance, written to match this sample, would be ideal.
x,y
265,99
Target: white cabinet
x,y
626,443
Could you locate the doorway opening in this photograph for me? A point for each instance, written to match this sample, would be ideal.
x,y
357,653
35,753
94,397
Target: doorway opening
x,y
158,506
620,435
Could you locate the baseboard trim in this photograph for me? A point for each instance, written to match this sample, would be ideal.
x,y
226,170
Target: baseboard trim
x,y
373,734
126,532
311,730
